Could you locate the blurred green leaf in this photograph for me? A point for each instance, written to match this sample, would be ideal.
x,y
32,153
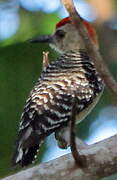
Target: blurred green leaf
x,y
31,24
20,67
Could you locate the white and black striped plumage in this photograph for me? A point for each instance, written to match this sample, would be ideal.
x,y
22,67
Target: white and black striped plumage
x,y
49,105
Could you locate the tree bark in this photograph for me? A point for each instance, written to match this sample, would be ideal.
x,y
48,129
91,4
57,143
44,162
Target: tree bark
x,y
101,161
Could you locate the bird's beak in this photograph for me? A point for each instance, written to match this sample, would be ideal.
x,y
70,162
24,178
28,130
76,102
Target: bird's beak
x,y
42,39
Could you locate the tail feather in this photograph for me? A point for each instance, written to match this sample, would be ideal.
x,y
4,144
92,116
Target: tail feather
x,y
24,157
29,156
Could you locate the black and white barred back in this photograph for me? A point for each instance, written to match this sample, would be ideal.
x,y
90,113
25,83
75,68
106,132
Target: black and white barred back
x,y
49,105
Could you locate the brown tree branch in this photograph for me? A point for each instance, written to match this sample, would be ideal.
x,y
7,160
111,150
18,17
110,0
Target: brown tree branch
x,y
101,161
93,53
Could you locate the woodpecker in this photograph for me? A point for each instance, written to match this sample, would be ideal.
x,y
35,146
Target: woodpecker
x,y
49,106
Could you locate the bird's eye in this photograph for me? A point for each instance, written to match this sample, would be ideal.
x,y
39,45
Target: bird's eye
x,y
60,33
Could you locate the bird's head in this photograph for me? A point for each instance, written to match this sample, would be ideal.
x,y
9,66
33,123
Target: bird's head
x,y
65,36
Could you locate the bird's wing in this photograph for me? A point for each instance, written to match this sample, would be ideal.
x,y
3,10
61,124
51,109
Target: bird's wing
x,y
50,103
48,108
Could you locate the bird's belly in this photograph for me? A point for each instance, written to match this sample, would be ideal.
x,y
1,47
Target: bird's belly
x,y
80,116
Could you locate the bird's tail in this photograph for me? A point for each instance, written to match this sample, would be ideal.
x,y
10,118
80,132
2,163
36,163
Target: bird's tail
x,y
24,157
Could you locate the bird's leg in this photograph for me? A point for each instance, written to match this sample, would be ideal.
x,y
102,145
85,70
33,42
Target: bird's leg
x,y
45,60
63,138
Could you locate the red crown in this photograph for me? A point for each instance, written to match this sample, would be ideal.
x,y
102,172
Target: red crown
x,y
63,22
87,25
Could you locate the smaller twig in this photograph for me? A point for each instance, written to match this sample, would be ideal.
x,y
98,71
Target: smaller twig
x,y
79,160
45,60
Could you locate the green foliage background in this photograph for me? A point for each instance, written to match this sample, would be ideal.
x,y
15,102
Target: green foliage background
x,y
20,67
